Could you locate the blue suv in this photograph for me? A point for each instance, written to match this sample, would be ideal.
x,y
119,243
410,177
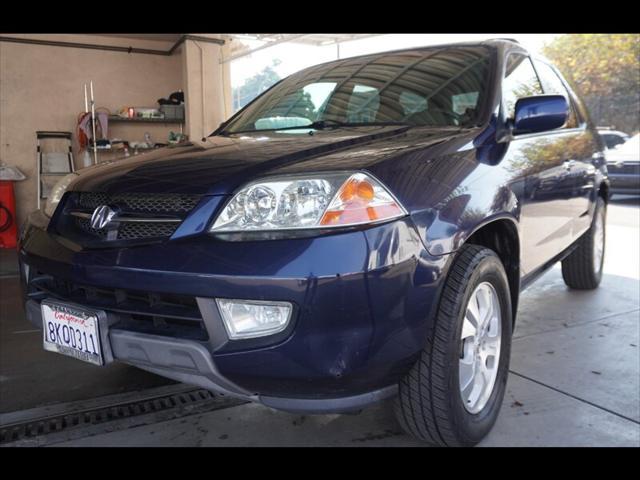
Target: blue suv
x,y
362,230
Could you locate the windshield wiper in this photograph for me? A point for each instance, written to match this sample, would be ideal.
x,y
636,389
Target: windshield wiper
x,y
323,124
317,125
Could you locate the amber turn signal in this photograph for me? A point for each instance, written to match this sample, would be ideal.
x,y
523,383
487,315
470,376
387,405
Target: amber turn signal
x,y
361,199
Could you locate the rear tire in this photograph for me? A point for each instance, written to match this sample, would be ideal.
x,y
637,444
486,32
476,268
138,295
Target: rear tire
x,y
432,404
582,269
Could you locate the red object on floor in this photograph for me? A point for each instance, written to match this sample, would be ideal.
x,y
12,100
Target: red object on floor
x,y
8,224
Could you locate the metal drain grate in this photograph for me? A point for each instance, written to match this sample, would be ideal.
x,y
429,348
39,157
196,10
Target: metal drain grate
x,y
182,403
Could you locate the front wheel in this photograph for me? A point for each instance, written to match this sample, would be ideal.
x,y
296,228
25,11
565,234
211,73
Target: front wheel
x,y
452,395
582,269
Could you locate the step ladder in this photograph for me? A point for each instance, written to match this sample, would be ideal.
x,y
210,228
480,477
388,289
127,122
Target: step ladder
x,y
52,164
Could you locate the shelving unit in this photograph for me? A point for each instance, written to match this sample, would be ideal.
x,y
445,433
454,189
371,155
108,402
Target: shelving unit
x,y
117,153
116,118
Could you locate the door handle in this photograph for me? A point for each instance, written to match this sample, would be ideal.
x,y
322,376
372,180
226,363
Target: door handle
x,y
568,164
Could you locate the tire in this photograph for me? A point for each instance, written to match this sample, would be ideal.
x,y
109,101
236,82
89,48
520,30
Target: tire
x,y
430,405
581,270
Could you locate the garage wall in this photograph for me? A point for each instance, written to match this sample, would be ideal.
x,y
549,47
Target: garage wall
x,y
41,89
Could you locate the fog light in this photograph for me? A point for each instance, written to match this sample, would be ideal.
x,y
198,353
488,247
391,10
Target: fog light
x,y
253,318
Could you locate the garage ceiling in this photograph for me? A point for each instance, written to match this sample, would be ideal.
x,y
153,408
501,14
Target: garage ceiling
x,y
240,49
316,39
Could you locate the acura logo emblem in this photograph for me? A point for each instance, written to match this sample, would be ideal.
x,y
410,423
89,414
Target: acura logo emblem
x,y
101,217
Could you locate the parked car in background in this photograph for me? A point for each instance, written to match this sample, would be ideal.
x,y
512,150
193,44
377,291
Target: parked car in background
x,y
362,230
612,138
623,164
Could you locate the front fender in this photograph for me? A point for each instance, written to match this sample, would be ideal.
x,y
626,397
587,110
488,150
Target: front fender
x,y
446,228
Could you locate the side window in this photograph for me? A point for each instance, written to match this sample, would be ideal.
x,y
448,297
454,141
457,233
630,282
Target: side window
x,y
552,85
520,80
617,141
612,141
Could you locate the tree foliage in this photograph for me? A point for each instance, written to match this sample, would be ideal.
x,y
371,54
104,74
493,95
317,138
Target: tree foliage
x,y
604,69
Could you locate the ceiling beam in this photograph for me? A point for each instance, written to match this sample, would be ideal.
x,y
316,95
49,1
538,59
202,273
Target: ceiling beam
x,y
112,48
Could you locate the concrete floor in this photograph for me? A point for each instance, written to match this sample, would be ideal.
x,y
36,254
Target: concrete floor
x,y
575,374
32,377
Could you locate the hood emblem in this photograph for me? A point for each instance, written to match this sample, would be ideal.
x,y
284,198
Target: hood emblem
x,y
101,217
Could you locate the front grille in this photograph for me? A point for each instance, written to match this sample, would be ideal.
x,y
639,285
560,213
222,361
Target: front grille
x,y
131,231
140,216
165,203
155,313
84,225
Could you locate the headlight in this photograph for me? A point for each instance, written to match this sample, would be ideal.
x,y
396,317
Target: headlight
x,y
304,202
57,192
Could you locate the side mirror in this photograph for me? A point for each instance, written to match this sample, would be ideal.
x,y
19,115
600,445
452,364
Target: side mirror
x,y
540,113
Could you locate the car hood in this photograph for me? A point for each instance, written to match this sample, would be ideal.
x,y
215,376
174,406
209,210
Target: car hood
x,y
220,164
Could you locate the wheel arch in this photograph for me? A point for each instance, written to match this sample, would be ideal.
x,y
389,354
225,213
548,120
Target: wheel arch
x,y
502,236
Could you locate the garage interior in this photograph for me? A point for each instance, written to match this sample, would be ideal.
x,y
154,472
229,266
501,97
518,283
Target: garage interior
x,y
575,366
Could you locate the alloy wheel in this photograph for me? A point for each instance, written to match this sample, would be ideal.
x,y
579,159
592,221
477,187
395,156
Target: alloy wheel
x,y
598,241
480,347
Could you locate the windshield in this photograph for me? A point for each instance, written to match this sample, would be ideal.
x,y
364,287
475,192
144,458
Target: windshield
x,y
434,87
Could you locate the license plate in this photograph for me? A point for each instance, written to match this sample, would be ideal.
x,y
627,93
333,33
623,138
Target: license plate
x,y
72,331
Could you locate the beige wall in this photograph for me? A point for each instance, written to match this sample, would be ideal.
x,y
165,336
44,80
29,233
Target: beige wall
x,y
41,89
206,80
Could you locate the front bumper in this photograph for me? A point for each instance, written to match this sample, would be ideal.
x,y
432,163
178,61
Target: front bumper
x,y
363,302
